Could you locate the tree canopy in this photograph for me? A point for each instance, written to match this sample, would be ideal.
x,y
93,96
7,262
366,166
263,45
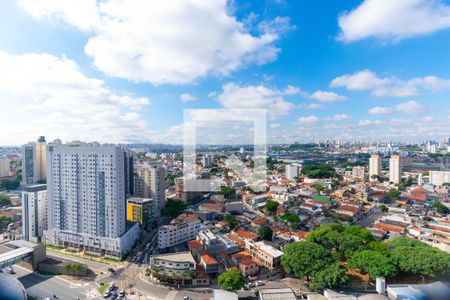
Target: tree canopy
x,y
173,207
272,205
265,233
440,208
319,171
305,258
231,280
393,193
4,200
290,217
416,257
330,277
232,221
226,191
343,239
373,263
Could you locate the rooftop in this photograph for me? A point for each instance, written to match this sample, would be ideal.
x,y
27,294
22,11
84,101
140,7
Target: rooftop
x,y
176,257
277,294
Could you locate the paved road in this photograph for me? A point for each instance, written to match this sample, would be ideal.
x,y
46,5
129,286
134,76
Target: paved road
x,y
46,286
369,220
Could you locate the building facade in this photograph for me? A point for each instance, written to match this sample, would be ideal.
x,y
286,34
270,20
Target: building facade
x,y
142,210
150,182
5,168
359,172
374,166
395,169
34,212
87,199
439,177
179,231
34,162
293,170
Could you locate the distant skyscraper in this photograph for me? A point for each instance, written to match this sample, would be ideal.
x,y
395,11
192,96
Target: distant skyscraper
x,y
395,169
5,168
34,212
150,182
293,170
207,161
87,189
374,165
34,162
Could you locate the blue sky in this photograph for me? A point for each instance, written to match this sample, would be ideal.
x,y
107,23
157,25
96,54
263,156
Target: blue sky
x,y
124,71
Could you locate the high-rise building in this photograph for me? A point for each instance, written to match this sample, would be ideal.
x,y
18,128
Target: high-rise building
x,y
293,170
374,165
34,212
87,189
5,168
142,210
439,177
395,169
207,161
34,162
150,182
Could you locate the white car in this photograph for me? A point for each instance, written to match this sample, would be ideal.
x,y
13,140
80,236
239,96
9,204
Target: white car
x,y
10,270
259,283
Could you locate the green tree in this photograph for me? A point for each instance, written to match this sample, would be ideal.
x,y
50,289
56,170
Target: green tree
x,y
226,191
265,233
305,259
330,277
440,208
231,280
416,257
232,221
373,263
173,207
380,247
272,205
4,200
319,171
383,208
393,193
290,217
10,184
319,187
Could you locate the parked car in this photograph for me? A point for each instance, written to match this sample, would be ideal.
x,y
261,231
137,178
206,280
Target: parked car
x,y
111,270
259,283
106,294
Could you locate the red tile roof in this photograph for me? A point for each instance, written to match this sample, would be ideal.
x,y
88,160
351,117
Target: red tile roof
x,y
246,234
194,244
207,258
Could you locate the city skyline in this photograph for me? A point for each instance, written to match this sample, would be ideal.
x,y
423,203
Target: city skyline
x,y
349,71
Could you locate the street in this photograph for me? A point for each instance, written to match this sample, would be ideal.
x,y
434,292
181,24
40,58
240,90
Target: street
x,y
41,286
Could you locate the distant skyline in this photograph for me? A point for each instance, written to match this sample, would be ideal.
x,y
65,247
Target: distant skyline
x,y
119,71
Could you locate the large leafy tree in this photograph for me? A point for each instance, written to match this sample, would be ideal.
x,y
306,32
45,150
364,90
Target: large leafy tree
x,y
416,257
330,277
265,233
305,258
231,280
272,205
232,221
343,239
373,263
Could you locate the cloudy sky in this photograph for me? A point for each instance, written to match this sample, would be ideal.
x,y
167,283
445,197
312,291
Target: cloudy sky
x,y
125,70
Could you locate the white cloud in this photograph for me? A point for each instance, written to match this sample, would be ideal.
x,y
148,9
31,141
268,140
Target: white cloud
x,y
187,98
394,20
324,96
309,120
410,107
369,122
389,86
42,94
275,125
378,110
338,117
311,105
164,42
257,96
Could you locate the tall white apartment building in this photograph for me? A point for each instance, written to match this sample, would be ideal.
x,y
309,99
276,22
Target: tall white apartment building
x,y
293,170
439,177
150,182
395,169
374,165
359,172
34,212
34,162
180,230
87,199
207,161
5,168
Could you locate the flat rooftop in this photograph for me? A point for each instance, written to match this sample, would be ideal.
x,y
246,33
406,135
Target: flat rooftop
x,y
176,257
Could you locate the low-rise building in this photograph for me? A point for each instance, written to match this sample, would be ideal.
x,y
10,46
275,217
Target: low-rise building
x,y
267,255
209,263
176,266
142,210
180,230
